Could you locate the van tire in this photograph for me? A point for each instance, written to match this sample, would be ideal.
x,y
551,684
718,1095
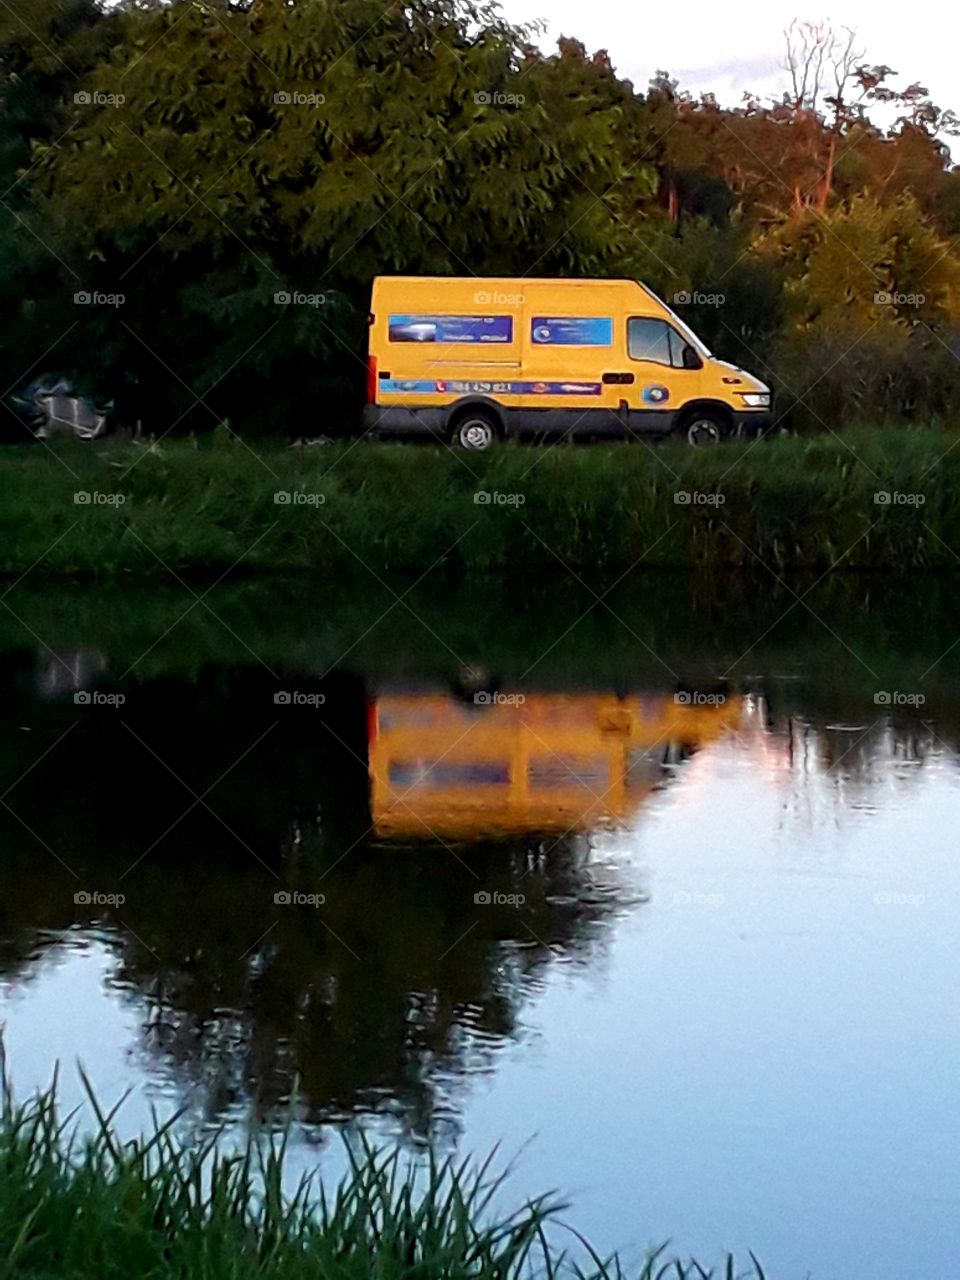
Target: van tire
x,y
703,427
475,430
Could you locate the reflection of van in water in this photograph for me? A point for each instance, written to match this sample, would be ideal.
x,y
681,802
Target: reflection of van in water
x,y
544,763
474,360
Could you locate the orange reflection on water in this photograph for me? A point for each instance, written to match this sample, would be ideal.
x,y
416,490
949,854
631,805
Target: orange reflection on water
x,y
525,763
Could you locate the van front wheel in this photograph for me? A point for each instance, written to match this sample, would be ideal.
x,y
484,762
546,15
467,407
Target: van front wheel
x,y
703,428
475,431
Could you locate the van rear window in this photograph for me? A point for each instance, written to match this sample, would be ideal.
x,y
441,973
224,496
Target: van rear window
x,y
452,329
572,331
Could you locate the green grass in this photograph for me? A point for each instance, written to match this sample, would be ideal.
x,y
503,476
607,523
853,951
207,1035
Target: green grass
x,y
794,505
93,1208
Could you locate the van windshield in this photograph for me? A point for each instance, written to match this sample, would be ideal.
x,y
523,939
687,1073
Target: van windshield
x,y
685,329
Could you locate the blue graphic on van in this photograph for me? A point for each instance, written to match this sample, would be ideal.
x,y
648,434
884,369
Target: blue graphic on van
x,y
572,331
397,386
655,394
450,329
459,386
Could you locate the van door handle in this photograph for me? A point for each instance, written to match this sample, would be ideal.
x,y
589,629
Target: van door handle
x,y
618,379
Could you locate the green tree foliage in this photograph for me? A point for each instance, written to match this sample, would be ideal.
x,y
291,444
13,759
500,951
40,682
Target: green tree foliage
x,y
873,297
200,159
45,47
219,157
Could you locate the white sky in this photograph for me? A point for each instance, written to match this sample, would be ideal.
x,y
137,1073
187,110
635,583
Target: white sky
x,y
727,48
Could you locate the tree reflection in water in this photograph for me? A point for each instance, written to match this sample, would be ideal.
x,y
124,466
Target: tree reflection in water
x,y
453,843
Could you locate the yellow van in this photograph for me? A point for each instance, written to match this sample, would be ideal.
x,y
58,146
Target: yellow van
x,y
474,360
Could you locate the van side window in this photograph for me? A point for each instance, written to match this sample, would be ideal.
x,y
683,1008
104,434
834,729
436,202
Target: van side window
x,y
654,340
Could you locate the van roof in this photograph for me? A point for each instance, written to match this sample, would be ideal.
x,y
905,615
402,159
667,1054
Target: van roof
x,y
573,280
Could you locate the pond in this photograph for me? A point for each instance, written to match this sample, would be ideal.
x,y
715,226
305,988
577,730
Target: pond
x,y
655,885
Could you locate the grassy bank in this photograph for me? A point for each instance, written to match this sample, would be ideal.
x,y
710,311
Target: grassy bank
x,y
101,1209
869,501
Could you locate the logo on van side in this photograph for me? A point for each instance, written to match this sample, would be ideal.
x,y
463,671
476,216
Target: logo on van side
x,y
655,394
452,329
572,331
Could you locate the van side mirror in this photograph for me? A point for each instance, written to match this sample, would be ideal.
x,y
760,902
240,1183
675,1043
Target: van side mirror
x,y
691,358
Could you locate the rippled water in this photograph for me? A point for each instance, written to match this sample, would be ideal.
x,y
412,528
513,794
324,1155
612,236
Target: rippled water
x,y
659,894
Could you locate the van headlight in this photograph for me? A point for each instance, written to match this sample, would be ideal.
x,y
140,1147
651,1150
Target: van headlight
x,y
755,399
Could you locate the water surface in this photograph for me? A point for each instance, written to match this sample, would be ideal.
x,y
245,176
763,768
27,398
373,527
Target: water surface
x,y
657,889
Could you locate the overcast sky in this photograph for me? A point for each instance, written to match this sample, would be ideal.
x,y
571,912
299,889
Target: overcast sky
x,y
727,48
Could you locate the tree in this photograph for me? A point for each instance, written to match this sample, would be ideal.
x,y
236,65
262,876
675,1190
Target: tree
x,y
46,48
222,156
233,173
872,296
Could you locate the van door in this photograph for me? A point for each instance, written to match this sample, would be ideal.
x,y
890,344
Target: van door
x,y
571,339
667,373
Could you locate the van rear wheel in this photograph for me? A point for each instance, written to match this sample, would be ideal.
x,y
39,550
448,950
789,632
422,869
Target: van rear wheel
x,y
475,431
